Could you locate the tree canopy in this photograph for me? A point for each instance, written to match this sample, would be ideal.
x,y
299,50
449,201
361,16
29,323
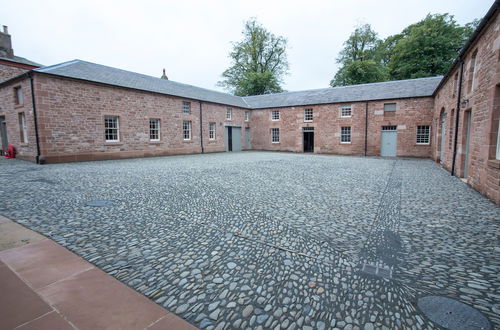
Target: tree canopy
x,y
426,48
259,62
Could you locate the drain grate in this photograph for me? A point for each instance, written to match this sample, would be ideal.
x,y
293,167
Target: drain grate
x,y
100,203
377,270
452,314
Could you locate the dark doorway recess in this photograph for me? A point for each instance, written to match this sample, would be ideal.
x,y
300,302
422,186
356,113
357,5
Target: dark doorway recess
x,y
308,139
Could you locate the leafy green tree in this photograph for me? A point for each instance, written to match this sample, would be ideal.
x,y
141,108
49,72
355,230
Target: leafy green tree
x,y
427,48
259,62
360,59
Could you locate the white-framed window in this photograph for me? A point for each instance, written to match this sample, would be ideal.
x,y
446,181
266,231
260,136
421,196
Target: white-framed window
x,y
23,130
346,111
498,141
229,114
247,115
389,106
111,128
423,134
308,114
18,95
275,135
154,130
275,115
211,131
186,130
345,134
186,107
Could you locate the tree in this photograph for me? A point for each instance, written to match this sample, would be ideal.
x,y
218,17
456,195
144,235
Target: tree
x,y
360,59
259,62
427,48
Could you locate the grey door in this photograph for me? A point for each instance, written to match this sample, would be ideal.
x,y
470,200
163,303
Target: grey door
x,y
236,138
389,141
247,138
443,132
467,143
3,133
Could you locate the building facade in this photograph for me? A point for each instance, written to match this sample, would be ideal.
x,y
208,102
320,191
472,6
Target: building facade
x,y
76,111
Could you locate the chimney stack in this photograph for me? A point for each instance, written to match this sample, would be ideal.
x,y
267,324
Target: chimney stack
x,y
164,76
6,43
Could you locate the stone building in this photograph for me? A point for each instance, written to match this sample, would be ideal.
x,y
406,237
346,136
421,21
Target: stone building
x,y
76,111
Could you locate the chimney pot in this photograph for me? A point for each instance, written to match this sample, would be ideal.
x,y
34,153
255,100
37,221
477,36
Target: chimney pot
x,y
5,29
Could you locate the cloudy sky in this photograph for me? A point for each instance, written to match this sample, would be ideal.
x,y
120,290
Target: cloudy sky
x,y
192,39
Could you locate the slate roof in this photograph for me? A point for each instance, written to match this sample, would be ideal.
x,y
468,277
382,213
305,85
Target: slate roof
x,y
364,92
376,91
79,69
22,60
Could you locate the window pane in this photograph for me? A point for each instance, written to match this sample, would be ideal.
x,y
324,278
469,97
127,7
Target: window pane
x,y
111,128
346,111
186,107
154,129
423,134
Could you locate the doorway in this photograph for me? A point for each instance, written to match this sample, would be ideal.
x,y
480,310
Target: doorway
x,y
308,133
443,139
389,141
233,138
3,133
468,119
247,138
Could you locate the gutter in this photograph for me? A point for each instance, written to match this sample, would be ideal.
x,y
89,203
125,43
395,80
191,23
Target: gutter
x,y
201,128
457,115
37,158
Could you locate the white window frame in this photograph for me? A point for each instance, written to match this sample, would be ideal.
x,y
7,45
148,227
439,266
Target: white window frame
x,y
275,115
211,131
390,110
186,107
498,141
18,91
424,135
154,129
247,115
345,132
229,114
110,128
344,110
23,127
186,130
308,113
275,135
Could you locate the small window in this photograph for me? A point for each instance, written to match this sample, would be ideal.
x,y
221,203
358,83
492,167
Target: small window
x,y
389,128
472,72
308,114
229,114
186,108
275,115
346,111
19,96
345,134
154,130
455,85
423,134
186,130
211,131
389,106
111,129
275,135
247,115
23,131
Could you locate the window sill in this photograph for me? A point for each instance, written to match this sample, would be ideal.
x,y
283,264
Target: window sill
x,y
18,106
494,163
113,143
275,143
154,141
345,116
345,142
422,144
308,121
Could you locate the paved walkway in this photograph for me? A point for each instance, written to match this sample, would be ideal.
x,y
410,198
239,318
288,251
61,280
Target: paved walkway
x,y
44,286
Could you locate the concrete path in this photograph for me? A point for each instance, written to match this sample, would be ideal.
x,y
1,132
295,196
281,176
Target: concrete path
x,y
45,286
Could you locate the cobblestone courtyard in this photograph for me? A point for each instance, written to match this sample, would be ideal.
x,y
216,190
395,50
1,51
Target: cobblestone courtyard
x,y
272,240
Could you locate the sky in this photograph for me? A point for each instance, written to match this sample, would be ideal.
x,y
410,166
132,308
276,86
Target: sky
x,y
192,39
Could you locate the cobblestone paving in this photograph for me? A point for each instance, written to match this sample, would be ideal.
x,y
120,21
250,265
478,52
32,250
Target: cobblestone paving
x,y
272,240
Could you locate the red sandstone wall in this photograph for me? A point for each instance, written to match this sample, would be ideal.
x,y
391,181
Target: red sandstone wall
x,y
7,72
484,106
327,123
11,111
71,121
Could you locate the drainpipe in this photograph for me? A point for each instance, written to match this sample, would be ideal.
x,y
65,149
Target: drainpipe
x,y
366,127
457,116
37,158
201,129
